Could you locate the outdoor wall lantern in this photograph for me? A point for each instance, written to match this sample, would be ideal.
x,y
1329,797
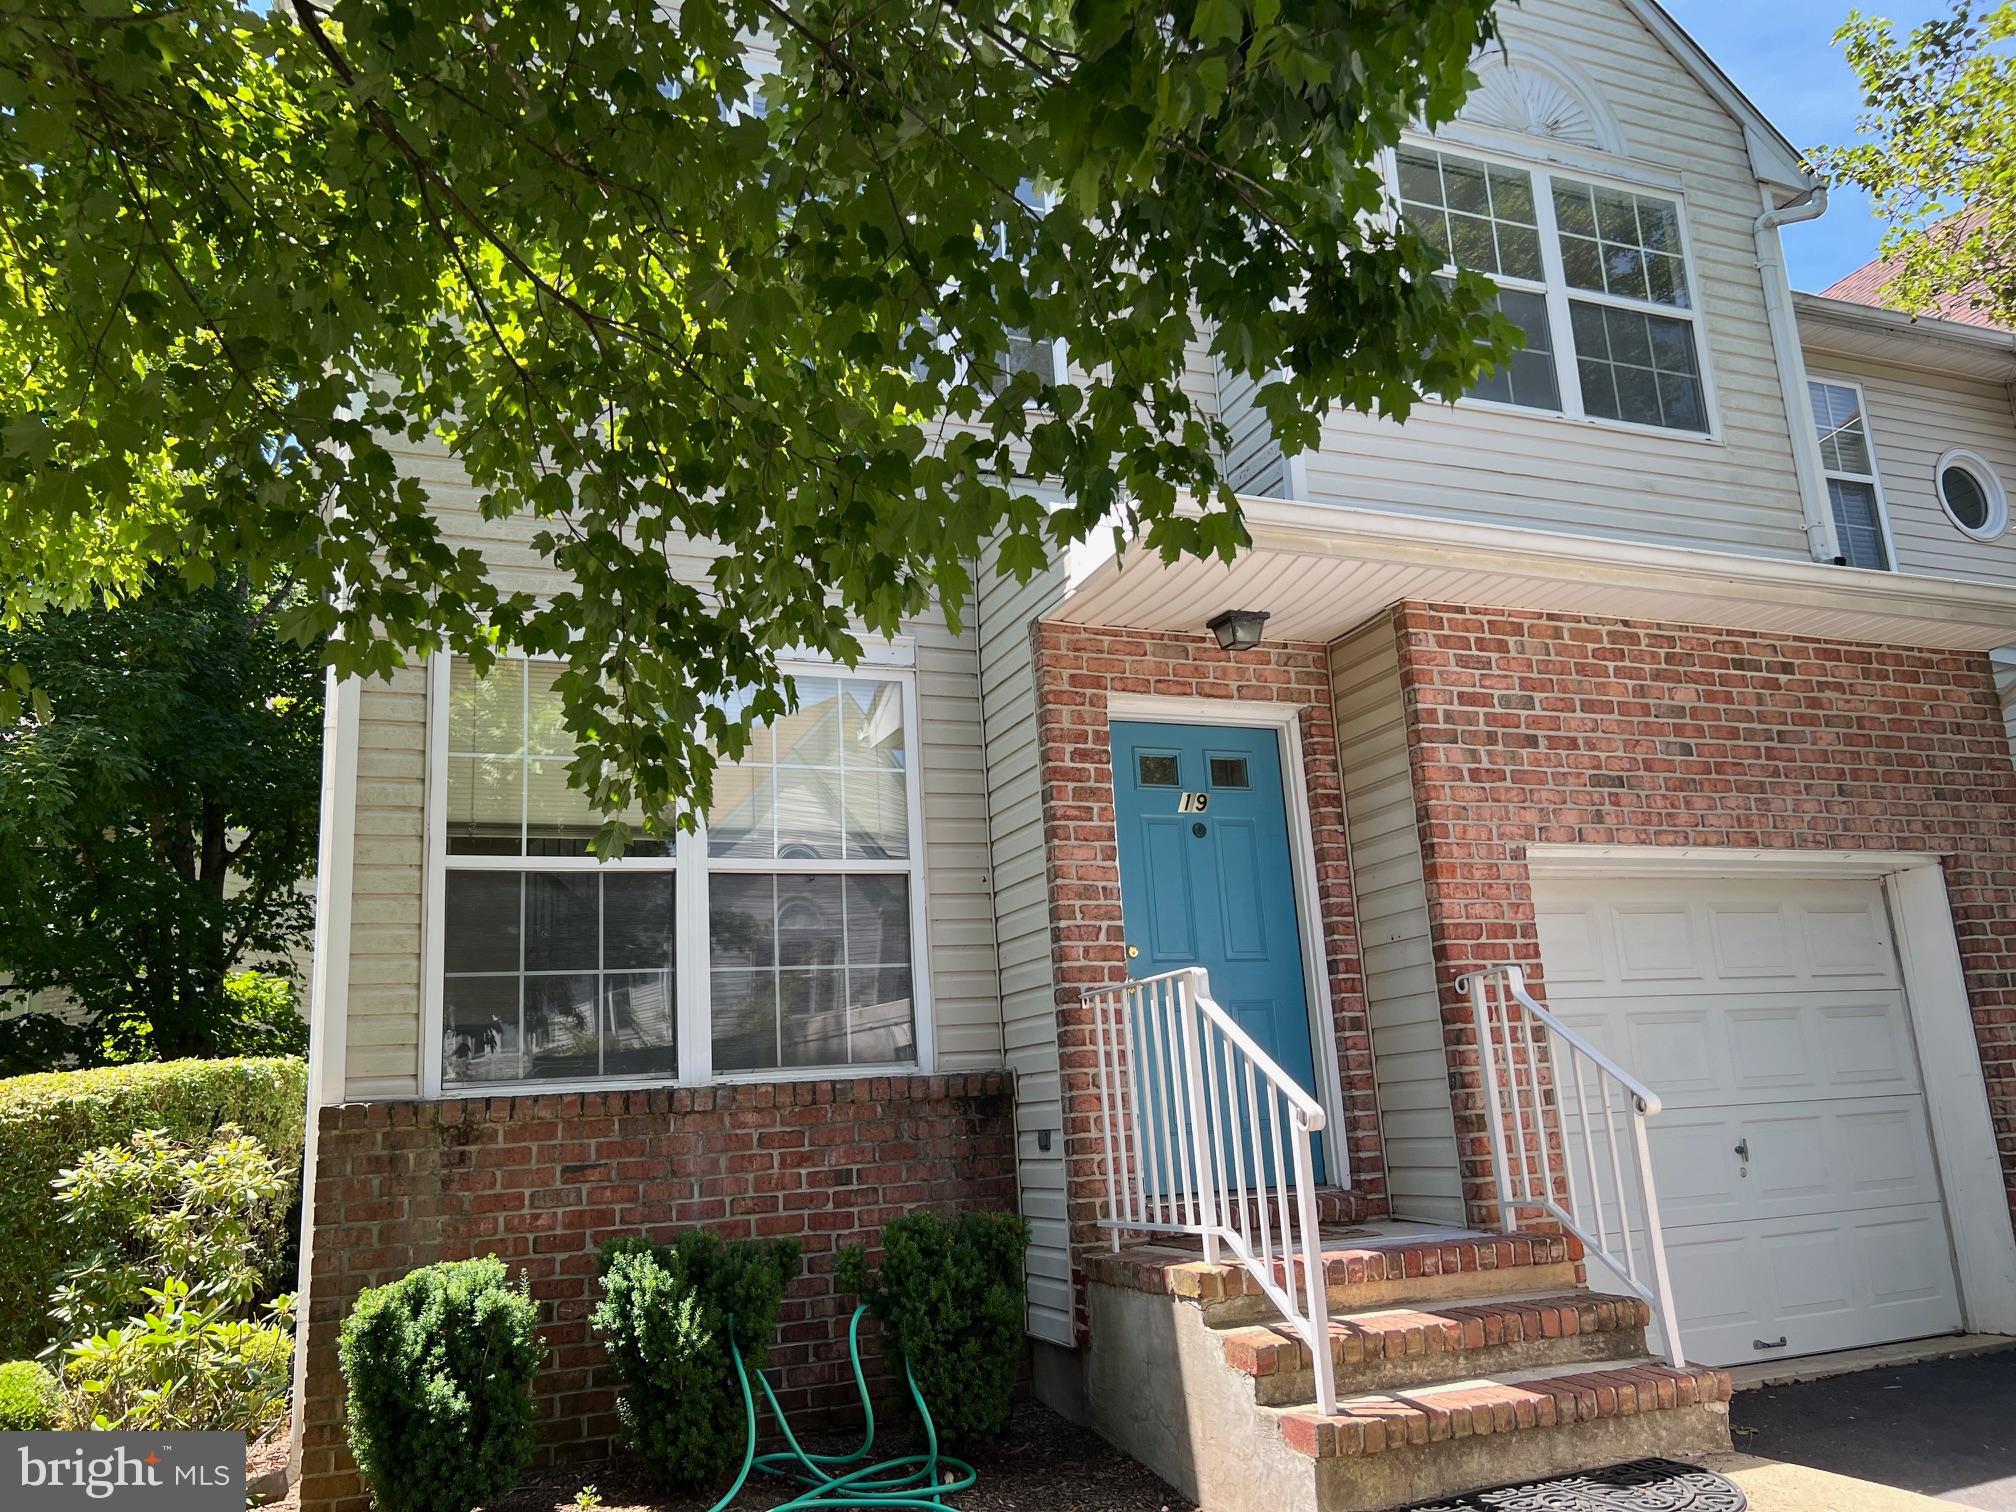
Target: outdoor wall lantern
x,y
1238,629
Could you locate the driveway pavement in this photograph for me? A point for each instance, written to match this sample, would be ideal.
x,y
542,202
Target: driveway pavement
x,y
1946,1428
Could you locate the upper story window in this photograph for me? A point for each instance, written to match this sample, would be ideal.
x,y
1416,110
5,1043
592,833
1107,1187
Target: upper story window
x,y
1850,461
1596,276
779,937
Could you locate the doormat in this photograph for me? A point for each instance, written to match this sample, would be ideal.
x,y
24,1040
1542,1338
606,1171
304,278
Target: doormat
x,y
1647,1485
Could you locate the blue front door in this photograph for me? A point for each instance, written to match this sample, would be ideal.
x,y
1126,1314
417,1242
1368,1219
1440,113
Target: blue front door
x,y
1208,883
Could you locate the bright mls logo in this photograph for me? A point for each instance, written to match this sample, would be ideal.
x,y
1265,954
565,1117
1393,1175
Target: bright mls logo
x,y
122,1472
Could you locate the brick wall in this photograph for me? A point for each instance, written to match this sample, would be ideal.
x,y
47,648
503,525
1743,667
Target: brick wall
x,y
544,1181
1527,729
1078,668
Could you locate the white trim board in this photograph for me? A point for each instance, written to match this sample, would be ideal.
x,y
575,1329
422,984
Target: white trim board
x,y
1323,569
335,862
1942,1023
1284,717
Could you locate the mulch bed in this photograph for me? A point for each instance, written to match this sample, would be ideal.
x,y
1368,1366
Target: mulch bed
x,y
1041,1464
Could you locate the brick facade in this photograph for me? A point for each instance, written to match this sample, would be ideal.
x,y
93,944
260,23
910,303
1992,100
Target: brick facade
x,y
1078,668
543,1181
1545,729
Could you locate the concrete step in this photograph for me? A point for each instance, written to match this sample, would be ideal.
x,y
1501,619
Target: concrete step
x,y
1362,1270
1408,1346
1386,1449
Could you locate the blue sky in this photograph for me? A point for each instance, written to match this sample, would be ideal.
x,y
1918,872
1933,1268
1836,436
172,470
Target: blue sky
x,y
1781,54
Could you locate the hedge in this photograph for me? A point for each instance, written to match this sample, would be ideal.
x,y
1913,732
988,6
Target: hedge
x,y
48,1120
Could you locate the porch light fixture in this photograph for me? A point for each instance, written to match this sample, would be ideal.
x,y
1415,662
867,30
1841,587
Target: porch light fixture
x,y
1238,629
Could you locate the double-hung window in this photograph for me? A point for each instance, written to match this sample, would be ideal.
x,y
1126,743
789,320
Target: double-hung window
x,y
779,937
1595,276
1850,463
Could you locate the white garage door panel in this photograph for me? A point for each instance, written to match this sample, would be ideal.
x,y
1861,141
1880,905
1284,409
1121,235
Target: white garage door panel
x,y
1805,1158
1819,1283
1771,1016
1718,1047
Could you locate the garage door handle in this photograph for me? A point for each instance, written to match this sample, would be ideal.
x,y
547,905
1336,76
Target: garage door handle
x,y
1778,1343
1743,1153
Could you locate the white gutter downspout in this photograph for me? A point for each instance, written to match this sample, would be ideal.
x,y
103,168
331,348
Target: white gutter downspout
x,y
1820,538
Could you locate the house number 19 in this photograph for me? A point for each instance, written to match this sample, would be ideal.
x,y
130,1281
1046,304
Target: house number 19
x,y
1193,803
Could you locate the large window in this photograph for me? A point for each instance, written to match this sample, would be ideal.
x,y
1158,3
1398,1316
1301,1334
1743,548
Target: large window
x,y
1596,276
779,937
1850,462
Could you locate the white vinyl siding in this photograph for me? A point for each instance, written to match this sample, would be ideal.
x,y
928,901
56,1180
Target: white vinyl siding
x,y
1735,492
1389,888
1006,611
382,1017
1253,460
388,867
1915,417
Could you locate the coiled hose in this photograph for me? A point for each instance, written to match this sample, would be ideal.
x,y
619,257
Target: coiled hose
x,y
908,1482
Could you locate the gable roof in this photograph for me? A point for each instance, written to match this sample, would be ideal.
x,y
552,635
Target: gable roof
x,y
1776,161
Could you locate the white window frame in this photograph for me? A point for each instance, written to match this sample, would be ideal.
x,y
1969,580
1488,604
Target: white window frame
x,y
1559,295
692,866
1874,477
1991,484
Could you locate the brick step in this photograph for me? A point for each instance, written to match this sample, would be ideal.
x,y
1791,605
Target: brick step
x,y
1362,1270
1336,1207
1380,1422
1408,1346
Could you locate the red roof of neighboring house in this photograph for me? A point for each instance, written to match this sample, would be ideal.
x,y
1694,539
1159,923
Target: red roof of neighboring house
x,y
1865,286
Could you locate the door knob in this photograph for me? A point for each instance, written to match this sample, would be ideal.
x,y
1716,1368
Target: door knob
x,y
1133,952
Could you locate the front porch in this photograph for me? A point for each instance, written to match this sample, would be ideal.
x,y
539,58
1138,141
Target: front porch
x,y
1470,789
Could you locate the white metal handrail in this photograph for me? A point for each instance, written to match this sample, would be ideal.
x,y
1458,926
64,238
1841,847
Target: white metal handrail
x,y
1187,1099
1519,1056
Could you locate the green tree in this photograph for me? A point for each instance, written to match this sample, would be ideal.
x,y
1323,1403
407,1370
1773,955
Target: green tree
x,y
156,816
644,286
1936,152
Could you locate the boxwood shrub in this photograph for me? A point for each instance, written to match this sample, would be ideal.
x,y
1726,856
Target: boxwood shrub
x,y
437,1370
664,1317
29,1397
950,1291
48,1121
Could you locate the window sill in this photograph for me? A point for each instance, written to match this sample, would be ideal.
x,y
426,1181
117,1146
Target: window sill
x,y
1595,422
465,1091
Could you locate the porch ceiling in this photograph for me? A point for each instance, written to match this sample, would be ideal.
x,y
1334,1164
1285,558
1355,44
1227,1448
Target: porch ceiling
x,y
1319,570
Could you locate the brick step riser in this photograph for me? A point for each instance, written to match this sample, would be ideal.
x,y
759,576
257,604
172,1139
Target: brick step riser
x,y
1347,1296
1297,1388
1161,1386
1452,1467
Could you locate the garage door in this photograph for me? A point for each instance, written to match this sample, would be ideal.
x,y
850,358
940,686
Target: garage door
x,y
1793,1159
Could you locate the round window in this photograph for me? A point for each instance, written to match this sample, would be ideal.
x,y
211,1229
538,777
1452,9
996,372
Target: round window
x,y
1972,495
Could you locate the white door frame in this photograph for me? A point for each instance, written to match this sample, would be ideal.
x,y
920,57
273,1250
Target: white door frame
x,y
1285,719
1942,1024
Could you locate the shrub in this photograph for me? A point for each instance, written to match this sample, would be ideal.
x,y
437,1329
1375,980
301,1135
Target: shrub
x,y
664,1316
29,1398
48,1121
185,1364
150,1209
950,1291
261,1016
438,1367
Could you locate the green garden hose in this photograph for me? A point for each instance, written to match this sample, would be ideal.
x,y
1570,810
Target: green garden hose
x,y
907,1483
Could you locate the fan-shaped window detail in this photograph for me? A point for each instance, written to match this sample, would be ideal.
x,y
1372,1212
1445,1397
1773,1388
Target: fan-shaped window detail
x,y
1538,95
